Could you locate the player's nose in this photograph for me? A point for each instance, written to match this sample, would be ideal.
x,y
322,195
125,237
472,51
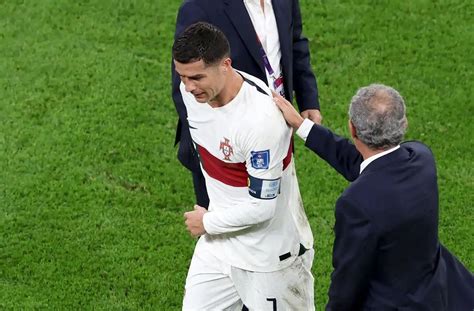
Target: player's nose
x,y
189,85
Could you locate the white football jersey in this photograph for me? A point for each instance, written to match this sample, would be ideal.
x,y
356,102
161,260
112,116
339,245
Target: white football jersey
x,y
245,150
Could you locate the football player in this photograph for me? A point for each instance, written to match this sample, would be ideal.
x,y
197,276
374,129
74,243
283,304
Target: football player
x,y
250,249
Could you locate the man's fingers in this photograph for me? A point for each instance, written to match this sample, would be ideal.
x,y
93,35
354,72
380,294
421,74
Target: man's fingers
x,y
275,95
278,103
281,102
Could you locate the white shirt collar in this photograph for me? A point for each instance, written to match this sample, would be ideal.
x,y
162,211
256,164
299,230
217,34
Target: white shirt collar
x,y
369,160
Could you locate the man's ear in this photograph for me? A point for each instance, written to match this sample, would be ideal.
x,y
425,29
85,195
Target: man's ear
x,y
352,129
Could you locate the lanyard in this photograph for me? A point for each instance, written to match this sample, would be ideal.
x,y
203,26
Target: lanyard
x,y
277,81
266,62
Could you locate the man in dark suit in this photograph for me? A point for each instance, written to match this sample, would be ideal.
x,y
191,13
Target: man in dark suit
x,y
386,254
233,18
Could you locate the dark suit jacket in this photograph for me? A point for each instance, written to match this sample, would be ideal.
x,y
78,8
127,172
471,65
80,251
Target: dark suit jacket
x,y
386,251
232,18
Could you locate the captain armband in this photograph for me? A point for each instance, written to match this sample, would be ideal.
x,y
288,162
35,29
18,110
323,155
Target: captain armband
x,y
265,189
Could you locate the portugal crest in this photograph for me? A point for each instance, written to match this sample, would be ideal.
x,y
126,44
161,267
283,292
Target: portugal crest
x,y
226,149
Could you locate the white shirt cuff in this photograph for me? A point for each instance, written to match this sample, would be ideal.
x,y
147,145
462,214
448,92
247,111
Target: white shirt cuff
x,y
206,224
304,129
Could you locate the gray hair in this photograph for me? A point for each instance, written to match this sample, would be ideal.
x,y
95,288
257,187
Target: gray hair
x,y
377,112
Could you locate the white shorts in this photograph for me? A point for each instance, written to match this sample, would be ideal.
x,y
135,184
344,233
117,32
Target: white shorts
x,y
212,284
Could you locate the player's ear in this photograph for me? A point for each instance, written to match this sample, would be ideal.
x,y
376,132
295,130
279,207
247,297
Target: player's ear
x,y
227,64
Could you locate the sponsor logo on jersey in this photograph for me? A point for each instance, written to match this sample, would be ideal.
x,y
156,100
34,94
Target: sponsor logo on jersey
x,y
260,159
226,149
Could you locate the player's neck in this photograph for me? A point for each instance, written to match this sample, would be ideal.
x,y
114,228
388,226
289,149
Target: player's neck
x,y
230,90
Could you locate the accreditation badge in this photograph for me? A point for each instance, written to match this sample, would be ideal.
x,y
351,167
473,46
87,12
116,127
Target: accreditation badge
x,y
278,85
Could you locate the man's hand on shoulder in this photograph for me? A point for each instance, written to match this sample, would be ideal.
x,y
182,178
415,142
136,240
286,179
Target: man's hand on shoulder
x,y
194,221
290,114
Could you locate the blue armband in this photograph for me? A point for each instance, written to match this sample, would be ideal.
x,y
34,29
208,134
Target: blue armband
x,y
265,189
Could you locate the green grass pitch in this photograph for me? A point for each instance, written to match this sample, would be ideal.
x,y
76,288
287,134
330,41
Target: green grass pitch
x,y
91,193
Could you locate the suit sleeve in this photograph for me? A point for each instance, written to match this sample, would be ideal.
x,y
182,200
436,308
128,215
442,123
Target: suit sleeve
x,y
272,140
353,256
304,81
339,152
188,14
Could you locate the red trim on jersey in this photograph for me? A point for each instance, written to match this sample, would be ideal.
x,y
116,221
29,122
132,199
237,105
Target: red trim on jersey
x,y
287,159
232,174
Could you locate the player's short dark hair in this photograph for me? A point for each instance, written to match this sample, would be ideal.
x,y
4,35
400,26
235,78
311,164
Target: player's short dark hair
x,y
201,41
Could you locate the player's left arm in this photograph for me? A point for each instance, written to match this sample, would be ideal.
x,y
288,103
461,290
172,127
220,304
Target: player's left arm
x,y
265,148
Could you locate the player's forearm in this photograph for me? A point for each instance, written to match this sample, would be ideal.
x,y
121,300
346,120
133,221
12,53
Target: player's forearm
x,y
239,217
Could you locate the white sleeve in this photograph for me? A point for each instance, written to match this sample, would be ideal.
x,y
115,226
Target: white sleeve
x,y
265,148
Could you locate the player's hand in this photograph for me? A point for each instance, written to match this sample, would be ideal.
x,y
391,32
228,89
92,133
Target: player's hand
x,y
290,114
193,221
313,114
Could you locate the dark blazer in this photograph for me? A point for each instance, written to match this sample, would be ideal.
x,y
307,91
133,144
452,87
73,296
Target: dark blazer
x,y
386,254
232,18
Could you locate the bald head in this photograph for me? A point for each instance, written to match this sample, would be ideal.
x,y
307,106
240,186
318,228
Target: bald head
x,y
377,112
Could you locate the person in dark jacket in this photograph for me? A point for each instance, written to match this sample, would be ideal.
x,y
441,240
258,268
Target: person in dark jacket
x,y
387,255
266,41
